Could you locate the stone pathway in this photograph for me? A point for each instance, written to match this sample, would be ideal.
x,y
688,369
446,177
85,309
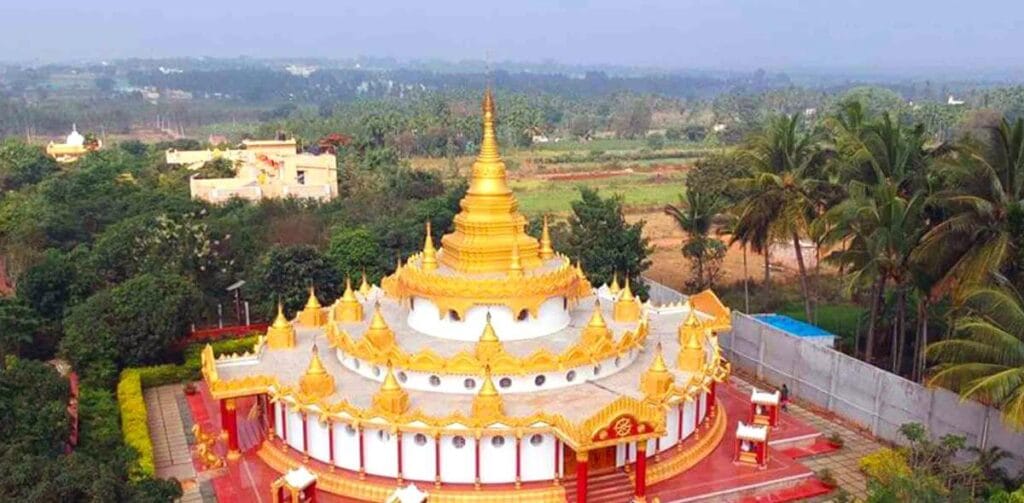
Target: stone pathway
x,y
844,462
165,406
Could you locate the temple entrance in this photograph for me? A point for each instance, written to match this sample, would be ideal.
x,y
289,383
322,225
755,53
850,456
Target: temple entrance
x,y
599,460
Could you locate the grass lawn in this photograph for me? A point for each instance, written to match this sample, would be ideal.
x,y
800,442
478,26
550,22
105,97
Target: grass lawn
x,y
639,190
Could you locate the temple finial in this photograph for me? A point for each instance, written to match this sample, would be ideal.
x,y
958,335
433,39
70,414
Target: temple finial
x,y
546,251
429,252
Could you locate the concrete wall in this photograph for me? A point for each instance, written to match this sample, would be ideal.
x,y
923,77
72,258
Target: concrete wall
x,y
864,394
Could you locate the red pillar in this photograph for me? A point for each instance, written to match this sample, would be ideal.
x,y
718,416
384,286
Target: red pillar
x,y
229,422
272,419
305,436
679,429
712,396
476,461
284,422
581,477
437,460
330,443
519,466
362,454
224,419
398,438
641,471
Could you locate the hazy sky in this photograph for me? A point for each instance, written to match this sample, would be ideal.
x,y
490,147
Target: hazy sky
x,y
731,34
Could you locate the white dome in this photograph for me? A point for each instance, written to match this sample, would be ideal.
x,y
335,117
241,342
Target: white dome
x,y
75,138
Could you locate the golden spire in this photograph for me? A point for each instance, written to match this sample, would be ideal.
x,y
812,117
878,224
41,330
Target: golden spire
x,y
348,309
596,319
656,380
515,266
546,251
391,398
489,169
364,287
281,334
429,253
690,333
312,315
596,329
379,333
316,381
614,287
626,308
488,403
489,345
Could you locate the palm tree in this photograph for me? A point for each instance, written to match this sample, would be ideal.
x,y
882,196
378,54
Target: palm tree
x,y
985,209
986,361
784,190
694,215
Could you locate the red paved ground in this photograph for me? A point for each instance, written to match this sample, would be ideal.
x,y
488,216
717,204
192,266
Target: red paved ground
x,y
718,474
249,479
820,446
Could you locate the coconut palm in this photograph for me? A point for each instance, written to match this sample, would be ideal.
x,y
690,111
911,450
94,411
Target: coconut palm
x,y
985,208
695,215
784,190
986,360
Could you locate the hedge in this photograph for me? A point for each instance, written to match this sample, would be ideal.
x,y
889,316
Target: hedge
x,y
99,427
159,375
134,426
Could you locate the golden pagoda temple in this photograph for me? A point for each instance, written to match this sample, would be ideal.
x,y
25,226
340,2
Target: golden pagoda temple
x,y
489,370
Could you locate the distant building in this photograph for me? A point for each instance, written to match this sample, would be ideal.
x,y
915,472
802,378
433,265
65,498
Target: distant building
x,y
74,147
954,101
263,169
718,128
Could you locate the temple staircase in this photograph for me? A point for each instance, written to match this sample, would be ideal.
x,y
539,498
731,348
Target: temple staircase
x,y
612,486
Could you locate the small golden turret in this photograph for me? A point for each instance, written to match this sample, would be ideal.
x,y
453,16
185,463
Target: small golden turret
x,y
348,309
596,328
489,345
313,314
515,266
429,253
546,251
488,403
391,398
656,381
379,334
316,382
691,337
281,333
627,307
614,287
364,286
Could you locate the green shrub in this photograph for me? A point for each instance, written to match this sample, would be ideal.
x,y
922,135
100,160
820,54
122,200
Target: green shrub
x,y
884,465
99,428
134,425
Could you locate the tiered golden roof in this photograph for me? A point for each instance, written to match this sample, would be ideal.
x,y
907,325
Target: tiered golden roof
x,y
488,403
627,307
347,309
379,334
490,220
316,382
489,346
281,333
391,398
656,382
313,314
597,331
691,341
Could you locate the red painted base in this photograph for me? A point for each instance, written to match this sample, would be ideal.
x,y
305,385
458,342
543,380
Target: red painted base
x,y
249,479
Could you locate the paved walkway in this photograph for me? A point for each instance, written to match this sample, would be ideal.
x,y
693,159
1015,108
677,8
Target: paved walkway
x,y
165,408
844,462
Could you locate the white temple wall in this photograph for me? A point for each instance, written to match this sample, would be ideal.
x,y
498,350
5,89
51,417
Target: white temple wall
x,y
319,439
418,456
460,384
278,419
346,447
295,429
381,452
498,459
689,418
538,458
671,437
425,317
458,464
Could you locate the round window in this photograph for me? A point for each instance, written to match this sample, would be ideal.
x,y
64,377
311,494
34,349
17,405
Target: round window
x,y
570,376
618,361
420,439
459,442
539,380
435,381
469,383
349,430
355,363
536,440
597,370
383,435
376,371
497,441
402,377
505,382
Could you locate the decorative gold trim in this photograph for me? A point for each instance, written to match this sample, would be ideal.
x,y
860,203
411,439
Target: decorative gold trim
x,y
691,455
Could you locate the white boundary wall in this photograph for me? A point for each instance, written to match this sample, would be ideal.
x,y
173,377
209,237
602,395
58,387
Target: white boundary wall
x,y
861,393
